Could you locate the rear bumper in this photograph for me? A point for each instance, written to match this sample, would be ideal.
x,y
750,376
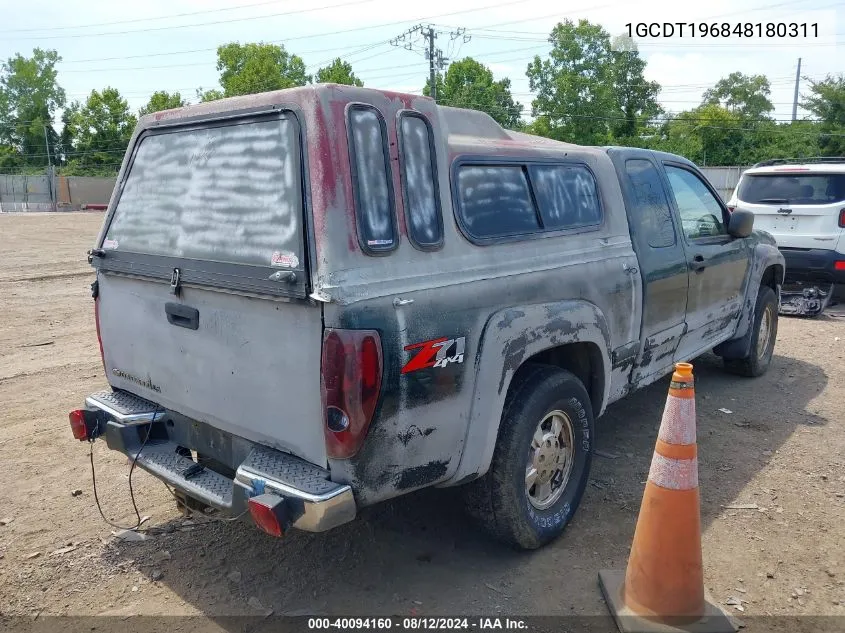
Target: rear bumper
x,y
313,501
813,265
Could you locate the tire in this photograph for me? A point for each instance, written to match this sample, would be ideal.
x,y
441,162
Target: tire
x,y
760,352
500,499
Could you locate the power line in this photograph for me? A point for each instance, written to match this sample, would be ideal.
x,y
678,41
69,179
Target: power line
x,y
135,20
187,26
262,17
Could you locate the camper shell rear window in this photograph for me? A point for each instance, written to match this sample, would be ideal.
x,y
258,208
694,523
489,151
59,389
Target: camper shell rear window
x,y
223,201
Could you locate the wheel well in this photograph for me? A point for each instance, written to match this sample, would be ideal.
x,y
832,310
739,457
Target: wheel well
x,y
581,359
772,277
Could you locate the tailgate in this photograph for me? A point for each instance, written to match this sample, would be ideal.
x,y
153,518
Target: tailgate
x,y
203,276
252,366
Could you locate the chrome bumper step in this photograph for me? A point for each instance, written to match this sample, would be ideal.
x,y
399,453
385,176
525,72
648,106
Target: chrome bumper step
x,y
316,502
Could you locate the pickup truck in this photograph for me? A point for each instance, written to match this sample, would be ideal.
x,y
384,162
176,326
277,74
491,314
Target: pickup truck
x,y
313,300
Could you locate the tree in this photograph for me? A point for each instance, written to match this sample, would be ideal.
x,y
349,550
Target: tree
x,y
707,135
338,72
251,68
162,100
29,98
470,84
587,91
747,95
212,94
827,101
635,98
97,132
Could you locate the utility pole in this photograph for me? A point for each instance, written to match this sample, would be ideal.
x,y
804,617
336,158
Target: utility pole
x,y
50,178
795,98
47,145
435,57
431,70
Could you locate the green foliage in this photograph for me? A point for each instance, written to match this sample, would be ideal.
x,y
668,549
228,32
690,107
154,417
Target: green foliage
x,y
257,67
746,95
162,100
470,84
827,101
706,135
635,99
588,93
29,98
97,132
209,95
338,72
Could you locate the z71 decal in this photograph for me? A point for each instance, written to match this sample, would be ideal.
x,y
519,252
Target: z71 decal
x,y
435,353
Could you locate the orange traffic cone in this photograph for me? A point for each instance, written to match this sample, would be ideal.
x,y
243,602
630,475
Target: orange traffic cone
x,y
663,586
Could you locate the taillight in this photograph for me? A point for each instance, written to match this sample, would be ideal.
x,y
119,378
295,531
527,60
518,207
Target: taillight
x,y
842,218
269,513
350,380
839,266
99,338
77,424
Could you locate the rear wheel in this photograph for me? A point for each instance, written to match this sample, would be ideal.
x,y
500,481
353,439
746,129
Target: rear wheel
x,y
763,335
541,462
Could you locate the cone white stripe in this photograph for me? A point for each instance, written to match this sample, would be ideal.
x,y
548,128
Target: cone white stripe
x,y
678,423
674,474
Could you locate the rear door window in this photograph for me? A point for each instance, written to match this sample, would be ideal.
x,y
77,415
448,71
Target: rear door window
x,y
419,183
371,180
811,189
649,204
566,196
495,201
225,193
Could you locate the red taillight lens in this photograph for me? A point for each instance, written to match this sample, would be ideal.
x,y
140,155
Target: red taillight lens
x,y
99,338
268,512
842,218
839,265
77,424
351,381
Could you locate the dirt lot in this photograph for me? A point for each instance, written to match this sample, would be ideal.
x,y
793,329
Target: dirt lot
x,y
782,447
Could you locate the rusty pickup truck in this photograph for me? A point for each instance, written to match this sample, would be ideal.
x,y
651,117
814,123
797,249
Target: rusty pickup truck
x,y
312,300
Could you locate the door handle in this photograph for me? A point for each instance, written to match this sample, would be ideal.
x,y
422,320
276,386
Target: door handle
x,y
182,315
698,264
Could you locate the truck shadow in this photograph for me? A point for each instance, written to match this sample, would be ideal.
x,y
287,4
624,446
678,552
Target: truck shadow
x,y
420,555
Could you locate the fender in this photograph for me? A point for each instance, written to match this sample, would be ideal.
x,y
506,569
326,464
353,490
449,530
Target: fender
x,y
764,255
510,337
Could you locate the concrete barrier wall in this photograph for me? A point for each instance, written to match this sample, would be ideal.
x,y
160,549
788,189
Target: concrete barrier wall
x,y
86,190
60,193
723,179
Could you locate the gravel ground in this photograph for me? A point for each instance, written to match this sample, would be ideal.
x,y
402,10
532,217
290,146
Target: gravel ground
x,y
781,449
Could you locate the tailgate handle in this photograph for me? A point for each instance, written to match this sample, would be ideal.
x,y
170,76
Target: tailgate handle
x,y
183,316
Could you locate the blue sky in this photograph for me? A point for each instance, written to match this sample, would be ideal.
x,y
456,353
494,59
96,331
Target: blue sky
x,y
171,45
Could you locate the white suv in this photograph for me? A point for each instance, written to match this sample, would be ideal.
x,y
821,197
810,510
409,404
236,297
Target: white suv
x,y
801,203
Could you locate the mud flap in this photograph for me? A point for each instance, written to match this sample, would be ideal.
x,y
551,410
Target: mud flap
x,y
803,299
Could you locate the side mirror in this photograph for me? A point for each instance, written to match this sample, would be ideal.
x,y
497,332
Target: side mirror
x,y
741,223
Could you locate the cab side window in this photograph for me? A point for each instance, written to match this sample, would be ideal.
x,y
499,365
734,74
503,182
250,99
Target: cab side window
x,y
701,214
